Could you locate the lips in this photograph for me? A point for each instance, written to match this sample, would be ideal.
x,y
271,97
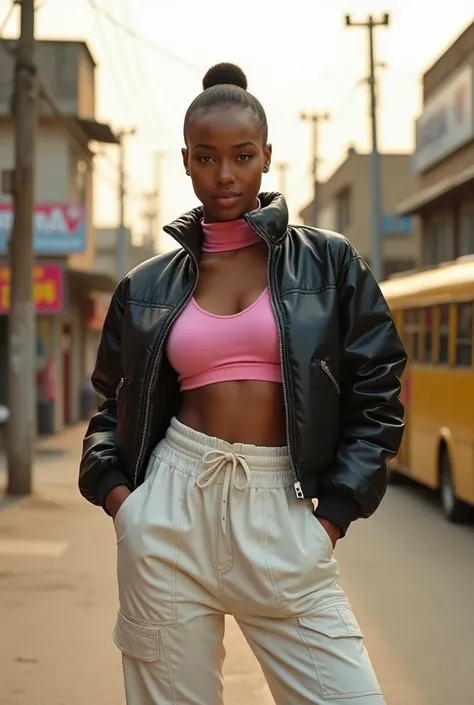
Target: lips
x,y
227,198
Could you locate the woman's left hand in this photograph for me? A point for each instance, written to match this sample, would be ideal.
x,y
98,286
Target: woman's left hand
x,y
331,529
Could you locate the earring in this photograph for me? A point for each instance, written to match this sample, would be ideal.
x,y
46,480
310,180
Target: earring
x,y
266,167
187,172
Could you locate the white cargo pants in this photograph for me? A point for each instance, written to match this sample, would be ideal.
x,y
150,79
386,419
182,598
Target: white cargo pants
x,y
216,529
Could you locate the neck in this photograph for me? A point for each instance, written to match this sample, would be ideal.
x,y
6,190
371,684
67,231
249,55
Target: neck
x,y
228,235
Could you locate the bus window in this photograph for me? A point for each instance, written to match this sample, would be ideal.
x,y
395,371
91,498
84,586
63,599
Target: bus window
x,y
443,353
427,349
411,327
464,335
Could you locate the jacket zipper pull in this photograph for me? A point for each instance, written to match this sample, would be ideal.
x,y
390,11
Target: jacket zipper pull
x,y
298,490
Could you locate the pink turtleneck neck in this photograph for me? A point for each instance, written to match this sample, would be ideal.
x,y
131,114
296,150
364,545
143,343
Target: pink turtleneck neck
x,y
229,235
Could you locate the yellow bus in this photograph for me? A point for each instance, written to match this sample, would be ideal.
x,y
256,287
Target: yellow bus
x,y
433,311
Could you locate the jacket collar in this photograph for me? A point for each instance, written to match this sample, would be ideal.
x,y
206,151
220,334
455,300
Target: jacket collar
x,y
270,222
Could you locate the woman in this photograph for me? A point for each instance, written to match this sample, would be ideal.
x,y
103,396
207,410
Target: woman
x,y
246,373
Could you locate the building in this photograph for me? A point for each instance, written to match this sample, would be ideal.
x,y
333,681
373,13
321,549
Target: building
x,y
64,237
344,202
106,264
443,160
106,251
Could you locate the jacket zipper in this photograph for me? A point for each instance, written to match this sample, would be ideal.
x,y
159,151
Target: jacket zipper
x,y
119,388
155,365
325,368
296,482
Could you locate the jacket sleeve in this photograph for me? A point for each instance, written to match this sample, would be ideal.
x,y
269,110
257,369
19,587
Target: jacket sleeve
x,y
373,360
100,469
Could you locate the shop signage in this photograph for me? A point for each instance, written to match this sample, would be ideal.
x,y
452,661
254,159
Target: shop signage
x,y
58,228
48,288
98,307
447,121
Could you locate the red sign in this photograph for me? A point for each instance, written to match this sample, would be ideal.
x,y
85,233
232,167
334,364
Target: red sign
x,y
48,288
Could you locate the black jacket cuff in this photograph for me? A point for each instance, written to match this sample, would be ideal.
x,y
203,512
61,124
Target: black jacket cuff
x,y
112,478
339,509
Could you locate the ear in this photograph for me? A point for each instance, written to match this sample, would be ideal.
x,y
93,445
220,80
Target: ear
x,y
185,155
267,153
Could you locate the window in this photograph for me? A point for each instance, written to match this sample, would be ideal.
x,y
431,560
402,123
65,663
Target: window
x,y
438,240
343,210
396,266
427,346
443,350
466,230
81,181
411,328
464,335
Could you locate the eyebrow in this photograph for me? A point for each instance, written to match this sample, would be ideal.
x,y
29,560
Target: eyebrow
x,y
235,146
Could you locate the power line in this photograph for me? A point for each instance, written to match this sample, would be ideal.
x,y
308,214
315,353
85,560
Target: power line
x,y
5,22
141,38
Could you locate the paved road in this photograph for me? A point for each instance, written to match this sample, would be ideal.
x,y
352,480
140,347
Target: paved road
x,y
409,574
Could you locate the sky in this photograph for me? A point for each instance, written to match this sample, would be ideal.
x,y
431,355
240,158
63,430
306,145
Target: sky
x,y
297,56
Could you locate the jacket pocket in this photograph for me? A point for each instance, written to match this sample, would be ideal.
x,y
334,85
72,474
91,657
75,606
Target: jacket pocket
x,y
140,642
327,371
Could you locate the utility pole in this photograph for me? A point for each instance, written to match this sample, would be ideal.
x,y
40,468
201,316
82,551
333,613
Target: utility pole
x,y
375,177
282,168
22,315
152,212
121,253
150,215
315,119
158,156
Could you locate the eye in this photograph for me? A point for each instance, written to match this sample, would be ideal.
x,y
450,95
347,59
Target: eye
x,y
205,159
244,157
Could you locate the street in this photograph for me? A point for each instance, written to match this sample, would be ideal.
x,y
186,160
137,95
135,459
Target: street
x,y
408,573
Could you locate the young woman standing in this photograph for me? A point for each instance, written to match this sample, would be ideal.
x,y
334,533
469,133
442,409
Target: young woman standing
x,y
252,370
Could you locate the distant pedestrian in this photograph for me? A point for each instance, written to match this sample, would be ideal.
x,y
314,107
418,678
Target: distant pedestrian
x,y
252,370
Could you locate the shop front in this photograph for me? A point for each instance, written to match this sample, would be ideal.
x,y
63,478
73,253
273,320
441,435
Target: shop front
x,y
49,298
444,156
60,296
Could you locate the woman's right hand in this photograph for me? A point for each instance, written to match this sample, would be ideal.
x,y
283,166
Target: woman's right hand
x,y
116,498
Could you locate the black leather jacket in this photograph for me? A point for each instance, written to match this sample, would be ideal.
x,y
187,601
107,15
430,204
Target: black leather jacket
x,y
341,361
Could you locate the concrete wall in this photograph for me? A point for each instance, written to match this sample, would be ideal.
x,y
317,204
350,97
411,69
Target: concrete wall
x,y
56,180
353,178
106,251
68,70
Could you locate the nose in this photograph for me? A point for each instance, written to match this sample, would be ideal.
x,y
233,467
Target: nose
x,y
226,175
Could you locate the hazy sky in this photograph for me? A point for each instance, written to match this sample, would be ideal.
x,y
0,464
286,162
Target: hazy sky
x,y
297,56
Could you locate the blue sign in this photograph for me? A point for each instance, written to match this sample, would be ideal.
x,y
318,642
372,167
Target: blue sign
x,y
396,225
58,228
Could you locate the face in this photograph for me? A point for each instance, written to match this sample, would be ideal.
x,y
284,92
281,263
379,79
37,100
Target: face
x,y
225,157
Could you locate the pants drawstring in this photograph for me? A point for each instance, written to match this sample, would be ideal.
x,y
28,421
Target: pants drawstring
x,y
214,462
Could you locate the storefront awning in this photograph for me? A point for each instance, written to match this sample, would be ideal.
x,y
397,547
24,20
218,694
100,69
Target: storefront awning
x,y
86,282
439,193
97,131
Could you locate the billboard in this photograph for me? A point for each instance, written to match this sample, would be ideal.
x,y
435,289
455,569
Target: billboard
x,y
447,121
48,288
58,228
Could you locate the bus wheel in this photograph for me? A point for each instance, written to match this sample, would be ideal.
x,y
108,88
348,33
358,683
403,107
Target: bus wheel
x,y
454,509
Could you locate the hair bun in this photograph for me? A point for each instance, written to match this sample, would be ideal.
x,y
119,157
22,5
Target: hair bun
x,y
228,74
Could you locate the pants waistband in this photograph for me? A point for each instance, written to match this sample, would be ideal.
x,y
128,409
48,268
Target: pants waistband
x,y
184,448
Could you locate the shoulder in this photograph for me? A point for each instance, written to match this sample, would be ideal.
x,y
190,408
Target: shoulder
x,y
144,282
323,244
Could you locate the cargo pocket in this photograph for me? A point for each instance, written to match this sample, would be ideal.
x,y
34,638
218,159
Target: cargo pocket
x,y
140,642
335,643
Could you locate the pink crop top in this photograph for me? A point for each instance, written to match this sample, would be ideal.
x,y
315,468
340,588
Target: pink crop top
x,y
205,348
